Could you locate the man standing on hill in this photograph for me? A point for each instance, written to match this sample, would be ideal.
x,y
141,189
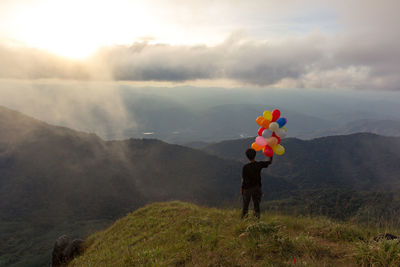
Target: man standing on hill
x,y
251,182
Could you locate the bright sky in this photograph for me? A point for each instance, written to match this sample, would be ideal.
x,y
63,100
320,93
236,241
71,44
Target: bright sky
x,y
77,28
281,43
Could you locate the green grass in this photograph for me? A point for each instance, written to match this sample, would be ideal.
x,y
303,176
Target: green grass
x,y
183,234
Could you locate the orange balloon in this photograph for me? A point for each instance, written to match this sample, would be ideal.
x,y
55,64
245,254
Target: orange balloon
x,y
256,147
265,124
260,120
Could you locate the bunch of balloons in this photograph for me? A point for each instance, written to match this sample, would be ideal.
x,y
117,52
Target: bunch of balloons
x,y
270,122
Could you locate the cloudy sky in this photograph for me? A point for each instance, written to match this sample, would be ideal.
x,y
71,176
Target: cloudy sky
x,y
352,44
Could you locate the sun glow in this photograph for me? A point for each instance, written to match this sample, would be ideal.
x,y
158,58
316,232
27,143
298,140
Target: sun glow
x,y
76,29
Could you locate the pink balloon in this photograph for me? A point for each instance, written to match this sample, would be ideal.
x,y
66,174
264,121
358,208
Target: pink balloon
x,y
275,114
268,151
261,141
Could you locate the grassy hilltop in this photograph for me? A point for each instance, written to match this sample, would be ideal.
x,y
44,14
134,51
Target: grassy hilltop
x,y
182,234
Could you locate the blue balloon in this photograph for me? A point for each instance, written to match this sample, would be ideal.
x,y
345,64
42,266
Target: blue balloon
x,y
281,122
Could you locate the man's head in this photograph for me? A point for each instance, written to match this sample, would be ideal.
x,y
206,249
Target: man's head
x,y
250,154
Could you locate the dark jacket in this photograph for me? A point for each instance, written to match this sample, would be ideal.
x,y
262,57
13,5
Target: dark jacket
x,y
251,173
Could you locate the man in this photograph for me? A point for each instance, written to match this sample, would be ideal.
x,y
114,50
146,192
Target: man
x,y
251,182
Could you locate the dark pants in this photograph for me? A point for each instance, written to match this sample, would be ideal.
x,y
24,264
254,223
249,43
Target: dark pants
x,y
254,193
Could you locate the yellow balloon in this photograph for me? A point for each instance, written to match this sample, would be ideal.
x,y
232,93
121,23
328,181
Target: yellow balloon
x,y
279,150
284,129
267,115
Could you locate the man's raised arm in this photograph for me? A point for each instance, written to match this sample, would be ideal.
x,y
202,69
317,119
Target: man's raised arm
x,y
266,163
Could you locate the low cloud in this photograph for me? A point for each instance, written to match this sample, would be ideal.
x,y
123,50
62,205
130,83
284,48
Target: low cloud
x,y
96,107
313,61
19,62
143,62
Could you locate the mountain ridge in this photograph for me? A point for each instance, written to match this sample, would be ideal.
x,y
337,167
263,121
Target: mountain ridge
x,y
53,177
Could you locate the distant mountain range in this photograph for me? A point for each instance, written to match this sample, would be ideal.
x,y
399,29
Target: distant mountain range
x,y
180,124
362,161
187,114
381,127
54,177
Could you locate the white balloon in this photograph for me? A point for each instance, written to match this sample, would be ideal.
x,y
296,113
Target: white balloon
x,y
281,133
266,134
273,126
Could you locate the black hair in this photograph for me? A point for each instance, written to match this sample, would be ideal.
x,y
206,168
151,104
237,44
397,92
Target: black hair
x,y
250,153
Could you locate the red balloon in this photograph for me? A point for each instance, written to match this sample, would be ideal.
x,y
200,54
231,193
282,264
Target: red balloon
x,y
275,114
268,151
260,131
277,137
